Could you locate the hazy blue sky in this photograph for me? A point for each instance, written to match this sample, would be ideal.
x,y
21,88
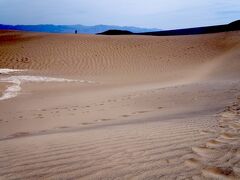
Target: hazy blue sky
x,y
164,14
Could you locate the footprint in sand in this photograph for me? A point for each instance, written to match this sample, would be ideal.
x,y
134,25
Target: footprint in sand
x,y
205,152
40,116
218,173
234,126
230,136
215,144
43,131
194,163
219,158
104,119
208,132
125,115
63,127
19,134
84,124
142,112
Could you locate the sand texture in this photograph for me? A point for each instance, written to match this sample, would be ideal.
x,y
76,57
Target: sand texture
x,y
119,107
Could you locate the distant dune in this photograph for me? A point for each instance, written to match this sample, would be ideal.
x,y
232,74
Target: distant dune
x,y
120,57
190,31
119,107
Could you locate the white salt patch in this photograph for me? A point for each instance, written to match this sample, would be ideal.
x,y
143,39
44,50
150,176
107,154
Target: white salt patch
x,y
15,88
7,71
11,91
35,79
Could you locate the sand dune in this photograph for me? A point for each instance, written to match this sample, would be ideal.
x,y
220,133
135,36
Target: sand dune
x,y
125,58
159,107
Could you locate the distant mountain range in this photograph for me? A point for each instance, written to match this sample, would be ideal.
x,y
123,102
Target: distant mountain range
x,y
49,28
121,30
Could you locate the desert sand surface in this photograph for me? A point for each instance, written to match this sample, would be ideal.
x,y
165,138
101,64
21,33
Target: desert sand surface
x,y
119,107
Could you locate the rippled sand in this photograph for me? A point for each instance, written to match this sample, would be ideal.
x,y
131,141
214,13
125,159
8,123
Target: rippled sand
x,y
158,107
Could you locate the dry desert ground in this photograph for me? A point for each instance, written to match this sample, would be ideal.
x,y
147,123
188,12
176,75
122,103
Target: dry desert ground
x,y
119,107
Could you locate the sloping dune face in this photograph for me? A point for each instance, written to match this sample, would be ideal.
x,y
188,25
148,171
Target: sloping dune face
x,y
122,57
119,107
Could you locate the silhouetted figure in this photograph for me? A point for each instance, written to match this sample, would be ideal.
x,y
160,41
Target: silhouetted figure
x,y
76,32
